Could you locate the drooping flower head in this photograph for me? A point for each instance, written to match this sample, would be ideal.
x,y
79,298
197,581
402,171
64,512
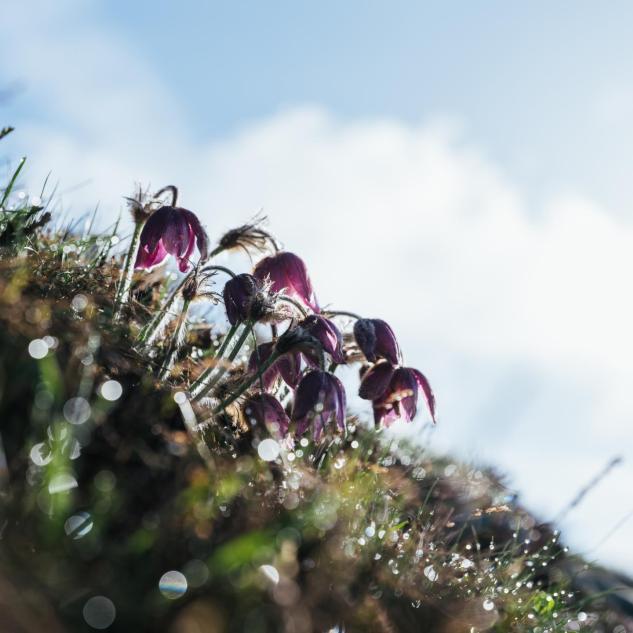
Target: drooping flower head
x,y
288,273
246,297
171,231
320,403
328,335
287,366
400,398
266,410
377,340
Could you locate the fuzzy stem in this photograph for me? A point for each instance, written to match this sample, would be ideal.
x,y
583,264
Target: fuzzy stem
x,y
246,384
173,346
222,368
201,380
147,334
125,284
343,313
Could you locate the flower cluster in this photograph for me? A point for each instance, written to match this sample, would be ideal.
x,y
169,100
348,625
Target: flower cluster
x,y
289,383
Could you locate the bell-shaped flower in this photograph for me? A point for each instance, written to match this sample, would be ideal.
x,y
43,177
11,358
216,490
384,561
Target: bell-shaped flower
x,y
266,410
288,274
377,340
319,403
171,231
328,335
287,366
399,401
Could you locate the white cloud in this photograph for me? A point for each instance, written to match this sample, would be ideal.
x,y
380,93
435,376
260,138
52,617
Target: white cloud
x,y
520,314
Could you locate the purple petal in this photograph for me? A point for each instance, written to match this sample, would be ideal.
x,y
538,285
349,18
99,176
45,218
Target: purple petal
x,y
386,343
202,239
375,381
424,384
289,366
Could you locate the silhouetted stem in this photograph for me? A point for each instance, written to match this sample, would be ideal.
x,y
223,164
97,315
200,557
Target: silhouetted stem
x,y
174,344
201,380
125,284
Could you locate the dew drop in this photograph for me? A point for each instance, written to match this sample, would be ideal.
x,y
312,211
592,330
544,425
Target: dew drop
x,y
172,585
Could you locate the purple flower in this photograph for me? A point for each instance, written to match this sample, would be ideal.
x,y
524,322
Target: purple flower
x,y
288,272
319,401
400,398
288,366
376,340
266,410
239,294
376,380
328,335
171,231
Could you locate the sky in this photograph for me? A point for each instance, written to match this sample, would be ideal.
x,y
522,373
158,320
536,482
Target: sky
x,y
458,169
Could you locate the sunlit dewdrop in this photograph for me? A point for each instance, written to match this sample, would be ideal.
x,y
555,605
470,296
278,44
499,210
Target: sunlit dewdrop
x,y
172,585
268,450
78,525
77,410
270,573
488,605
38,348
111,390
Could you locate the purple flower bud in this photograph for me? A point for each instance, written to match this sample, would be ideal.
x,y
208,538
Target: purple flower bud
x,y
319,401
376,340
328,335
376,380
239,294
171,231
287,366
266,410
288,272
400,399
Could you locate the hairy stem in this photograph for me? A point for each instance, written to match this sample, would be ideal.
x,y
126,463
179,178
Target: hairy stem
x,y
125,283
202,380
175,342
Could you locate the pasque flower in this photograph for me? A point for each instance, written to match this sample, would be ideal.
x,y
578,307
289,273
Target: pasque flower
x,y
171,231
264,409
328,335
376,340
399,400
288,273
246,297
319,402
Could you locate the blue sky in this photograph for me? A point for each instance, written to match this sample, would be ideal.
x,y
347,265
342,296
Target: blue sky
x,y
465,166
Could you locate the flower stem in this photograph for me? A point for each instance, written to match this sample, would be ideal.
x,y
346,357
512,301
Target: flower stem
x,y
125,284
201,380
174,344
246,384
221,370
343,313
151,329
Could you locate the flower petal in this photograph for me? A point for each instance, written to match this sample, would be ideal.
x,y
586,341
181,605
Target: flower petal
x,y
375,381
